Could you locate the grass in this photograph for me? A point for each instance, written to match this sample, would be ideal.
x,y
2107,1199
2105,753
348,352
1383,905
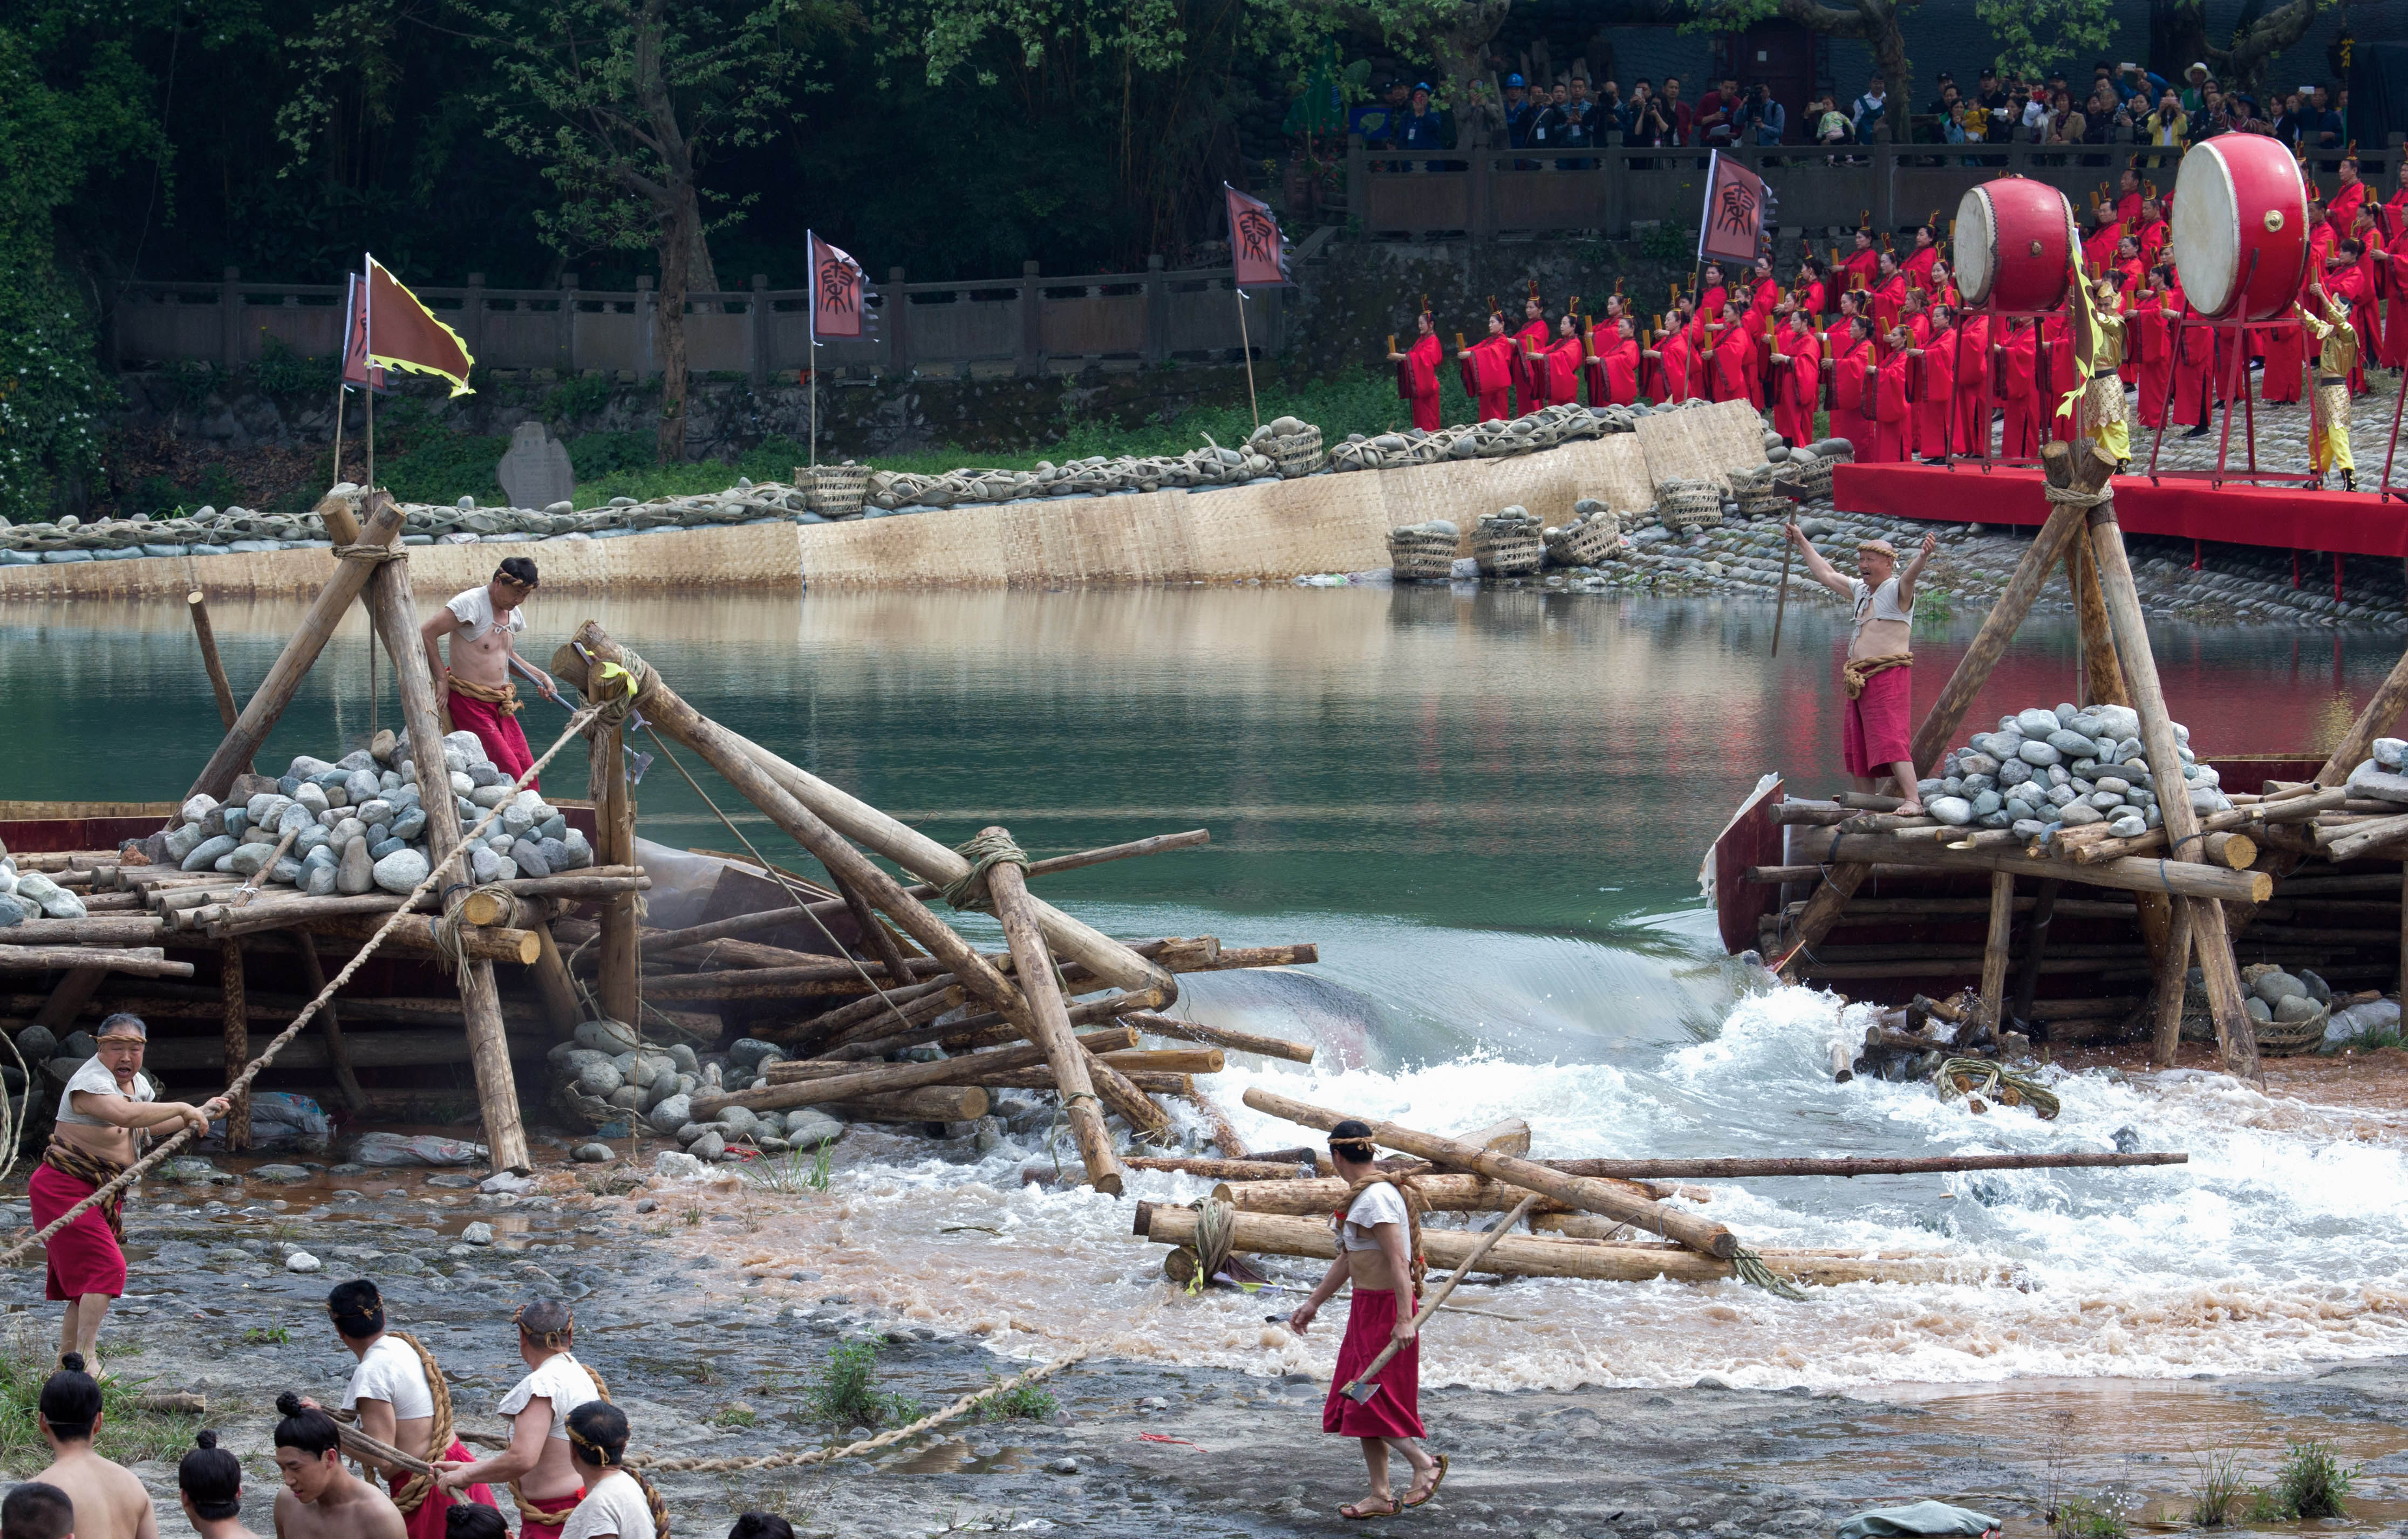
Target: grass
x,y
127,1435
2314,1482
795,1173
2083,1518
845,1393
266,1335
2218,1491
736,1416
1028,1403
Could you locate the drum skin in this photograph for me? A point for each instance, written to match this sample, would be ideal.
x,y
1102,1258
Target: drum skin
x,y
2239,199
2015,245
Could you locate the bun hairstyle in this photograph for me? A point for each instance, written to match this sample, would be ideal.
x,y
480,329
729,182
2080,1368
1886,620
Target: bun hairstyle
x,y
547,1322
70,1401
357,1309
598,1436
474,1520
761,1524
1351,1140
212,1477
305,1427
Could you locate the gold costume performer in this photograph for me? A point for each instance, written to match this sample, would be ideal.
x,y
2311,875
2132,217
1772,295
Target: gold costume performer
x,y
2101,416
2336,355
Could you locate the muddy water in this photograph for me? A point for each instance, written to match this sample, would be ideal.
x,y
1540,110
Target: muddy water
x,y
1488,811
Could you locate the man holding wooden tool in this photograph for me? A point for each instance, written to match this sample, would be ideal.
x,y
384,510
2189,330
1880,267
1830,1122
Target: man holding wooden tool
x,y
1879,676
475,693
1379,1250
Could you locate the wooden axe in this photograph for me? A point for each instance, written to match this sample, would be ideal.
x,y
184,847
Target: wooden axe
x,y
1361,1388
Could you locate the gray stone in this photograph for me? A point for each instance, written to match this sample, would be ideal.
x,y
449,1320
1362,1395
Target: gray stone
x,y
809,1127
301,1261
676,1166
671,1113
2037,722
2390,752
477,1233
12,911
197,807
182,841
593,1154
37,1045
2318,990
409,822
2294,1009
554,853
530,857
357,874
282,1176
534,470
205,854
599,1077
742,1123
604,1036
2035,752
2078,812
379,848
2072,744
579,850
710,1146
400,871
2367,780
1952,810
246,858
2275,988
2257,1011
319,883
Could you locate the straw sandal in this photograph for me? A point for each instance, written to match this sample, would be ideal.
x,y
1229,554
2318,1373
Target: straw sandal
x,y
1357,1512
1436,1481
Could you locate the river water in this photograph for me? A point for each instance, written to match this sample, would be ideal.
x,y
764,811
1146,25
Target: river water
x,y
1488,812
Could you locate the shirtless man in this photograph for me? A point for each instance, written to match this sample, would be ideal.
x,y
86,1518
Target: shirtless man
x,y
476,689
108,1501
103,1112
208,1484
1879,676
36,1511
321,1499
395,1398
542,1475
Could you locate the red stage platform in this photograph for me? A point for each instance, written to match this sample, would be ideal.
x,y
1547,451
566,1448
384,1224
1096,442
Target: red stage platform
x,y
2356,523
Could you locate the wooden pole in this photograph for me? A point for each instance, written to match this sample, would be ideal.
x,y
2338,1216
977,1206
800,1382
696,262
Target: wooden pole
x,y
1589,1195
1034,964
198,603
561,1008
2101,683
1219,1036
618,986
1994,955
258,718
480,1001
875,938
2208,937
1780,605
2172,978
238,1043
887,1078
1357,1391
330,1024
2035,943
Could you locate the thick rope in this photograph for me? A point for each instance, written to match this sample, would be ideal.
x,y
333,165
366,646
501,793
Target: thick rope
x,y
1752,1270
252,1071
451,936
885,1439
413,1494
2073,496
372,554
1216,1228
987,850
1980,1076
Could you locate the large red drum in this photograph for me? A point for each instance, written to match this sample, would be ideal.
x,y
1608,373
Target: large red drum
x,y
2240,227
2015,245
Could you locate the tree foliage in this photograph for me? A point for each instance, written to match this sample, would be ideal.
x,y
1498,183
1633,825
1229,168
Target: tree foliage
x,y
2037,36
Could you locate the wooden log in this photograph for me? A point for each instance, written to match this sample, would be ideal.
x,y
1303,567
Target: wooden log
x,y
1850,1166
884,1078
731,756
495,907
1159,844
930,1104
1218,1170
1048,1022
1224,1134
1437,1191
1803,812
416,932
1220,1036
561,1006
2183,878
148,961
243,739
2348,842
1575,1192
1144,1082
396,613
385,1049
1783,875
201,1003
2102,674
875,937
2035,946
912,1025
330,1026
1947,713
1524,1255
198,603
844,978
113,930
619,988
595,883
1994,955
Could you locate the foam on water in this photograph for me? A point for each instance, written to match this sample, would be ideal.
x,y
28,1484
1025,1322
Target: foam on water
x,y
2284,1242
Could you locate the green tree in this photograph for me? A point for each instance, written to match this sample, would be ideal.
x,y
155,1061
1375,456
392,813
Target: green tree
x,y
623,103
2035,37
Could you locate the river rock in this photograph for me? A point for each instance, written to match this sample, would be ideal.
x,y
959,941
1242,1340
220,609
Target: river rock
x,y
409,822
357,874
2037,722
319,880
301,1261
741,1124
671,1113
677,1166
2037,753
56,902
709,1147
13,911
197,807
579,850
808,1127
2131,826
400,871
486,866
182,841
2371,780
205,854
2072,744
2348,1026
37,1045
478,1233
603,1035
1952,810
530,857
2295,1008
282,1176
599,1077
2275,986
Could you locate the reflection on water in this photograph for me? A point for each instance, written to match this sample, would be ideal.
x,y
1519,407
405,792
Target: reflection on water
x,y
1487,809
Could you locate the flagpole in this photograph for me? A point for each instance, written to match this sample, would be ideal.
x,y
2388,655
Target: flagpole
x,y
340,389
1246,350
368,358
811,351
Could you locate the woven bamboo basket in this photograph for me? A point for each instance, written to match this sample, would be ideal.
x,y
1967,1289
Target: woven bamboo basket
x,y
1415,557
1592,542
1811,477
1508,550
1764,502
833,492
2288,1039
1297,453
1688,505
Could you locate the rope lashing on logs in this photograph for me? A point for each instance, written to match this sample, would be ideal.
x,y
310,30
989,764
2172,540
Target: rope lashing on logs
x,y
887,1439
1752,1271
450,940
985,850
1216,1229
252,1071
2073,496
370,553
1980,1076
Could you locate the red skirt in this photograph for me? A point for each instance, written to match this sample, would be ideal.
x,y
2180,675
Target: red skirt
x,y
495,728
553,1506
1395,1410
428,1522
1873,735
84,1257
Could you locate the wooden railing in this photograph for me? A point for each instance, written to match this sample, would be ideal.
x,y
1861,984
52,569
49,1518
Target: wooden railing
x,y
1614,189
1031,325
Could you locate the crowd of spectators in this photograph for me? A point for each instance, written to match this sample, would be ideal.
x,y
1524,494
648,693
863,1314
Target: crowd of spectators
x,y
2122,104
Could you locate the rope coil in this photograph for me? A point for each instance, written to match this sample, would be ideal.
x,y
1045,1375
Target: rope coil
x,y
985,850
1983,1077
2073,496
373,554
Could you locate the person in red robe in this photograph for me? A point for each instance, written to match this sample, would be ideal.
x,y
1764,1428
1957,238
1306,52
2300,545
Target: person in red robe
x,y
2391,268
2367,315
1764,289
1488,371
1935,387
1889,295
2287,355
1894,400
2349,278
1814,288
1613,369
2099,247
1861,267
2149,335
1533,337
1852,364
1918,266
2128,196
1975,379
1417,375
1672,362
2019,381
1565,356
2322,236
2348,198
1941,290
2056,360
1797,377
2152,233
1715,293
1738,374
1917,316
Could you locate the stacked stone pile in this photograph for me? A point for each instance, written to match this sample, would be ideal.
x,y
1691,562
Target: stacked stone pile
x,y
2045,769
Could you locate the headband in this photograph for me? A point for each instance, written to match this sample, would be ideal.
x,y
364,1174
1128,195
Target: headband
x,y
1352,1147
550,1339
1877,547
513,576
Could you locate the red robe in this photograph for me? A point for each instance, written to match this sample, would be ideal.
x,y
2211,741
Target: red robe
x,y
2149,335
2153,240
2057,335
2393,214
1736,374
2373,269
1916,269
1417,382
2321,241
1892,411
1563,370
2342,212
2128,207
1973,375
1713,300
2392,269
2196,381
2287,354
1796,384
1528,395
1811,298
1935,400
1850,409
1768,294
2099,251
1488,376
1888,300
1676,371
2355,283
1613,378
2025,427
1862,270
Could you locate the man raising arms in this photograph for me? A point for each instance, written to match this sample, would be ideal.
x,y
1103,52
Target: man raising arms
x,y
1879,678
476,689
321,1499
107,1501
